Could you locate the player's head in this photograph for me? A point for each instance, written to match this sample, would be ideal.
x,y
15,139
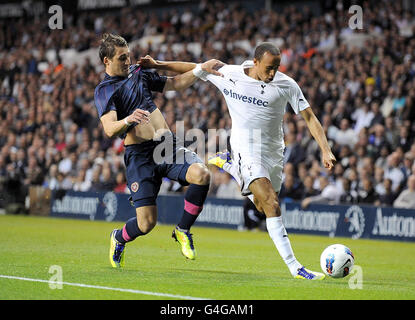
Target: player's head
x,y
267,58
115,55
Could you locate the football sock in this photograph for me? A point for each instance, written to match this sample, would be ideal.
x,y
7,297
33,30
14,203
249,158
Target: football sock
x,y
129,232
278,234
193,204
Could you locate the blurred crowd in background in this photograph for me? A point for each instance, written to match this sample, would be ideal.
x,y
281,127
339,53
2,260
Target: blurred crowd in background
x,y
363,96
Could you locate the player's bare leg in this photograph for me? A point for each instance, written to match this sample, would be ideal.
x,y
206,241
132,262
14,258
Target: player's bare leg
x,y
146,218
267,200
198,176
265,197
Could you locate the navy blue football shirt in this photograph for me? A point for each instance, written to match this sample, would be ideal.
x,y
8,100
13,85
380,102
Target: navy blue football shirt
x,y
125,94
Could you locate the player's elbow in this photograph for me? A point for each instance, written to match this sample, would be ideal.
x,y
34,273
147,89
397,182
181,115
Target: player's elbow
x,y
109,124
109,132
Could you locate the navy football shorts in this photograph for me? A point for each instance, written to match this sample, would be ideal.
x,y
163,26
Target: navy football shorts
x,y
148,162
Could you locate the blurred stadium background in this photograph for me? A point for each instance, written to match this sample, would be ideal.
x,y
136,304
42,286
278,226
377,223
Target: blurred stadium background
x,y
360,83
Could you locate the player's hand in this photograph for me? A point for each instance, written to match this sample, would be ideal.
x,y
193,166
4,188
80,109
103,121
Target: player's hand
x,y
139,116
212,66
329,160
147,62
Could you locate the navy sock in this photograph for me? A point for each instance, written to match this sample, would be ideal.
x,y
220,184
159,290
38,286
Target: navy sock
x,y
129,232
193,204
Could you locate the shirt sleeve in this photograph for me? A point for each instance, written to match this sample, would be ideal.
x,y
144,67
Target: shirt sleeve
x,y
155,81
103,106
296,98
218,81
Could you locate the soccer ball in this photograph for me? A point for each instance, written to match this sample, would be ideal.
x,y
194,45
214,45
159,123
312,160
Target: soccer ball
x,y
337,261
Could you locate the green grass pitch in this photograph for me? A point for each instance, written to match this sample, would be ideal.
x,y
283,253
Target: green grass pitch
x,y
230,264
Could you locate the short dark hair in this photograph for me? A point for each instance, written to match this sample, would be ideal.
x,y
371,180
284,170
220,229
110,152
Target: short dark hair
x,y
108,43
266,47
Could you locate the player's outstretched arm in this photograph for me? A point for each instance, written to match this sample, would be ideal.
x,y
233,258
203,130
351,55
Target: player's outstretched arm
x,y
185,80
180,66
317,132
173,66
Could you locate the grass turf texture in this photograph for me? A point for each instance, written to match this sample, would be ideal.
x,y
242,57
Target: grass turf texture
x,y
230,264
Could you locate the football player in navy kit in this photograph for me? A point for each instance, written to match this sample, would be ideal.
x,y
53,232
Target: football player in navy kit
x,y
126,108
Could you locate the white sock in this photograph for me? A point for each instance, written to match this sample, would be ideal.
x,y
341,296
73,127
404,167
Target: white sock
x,y
233,171
278,234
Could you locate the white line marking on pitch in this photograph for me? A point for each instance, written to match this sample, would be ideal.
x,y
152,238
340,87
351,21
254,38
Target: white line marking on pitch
x,y
149,293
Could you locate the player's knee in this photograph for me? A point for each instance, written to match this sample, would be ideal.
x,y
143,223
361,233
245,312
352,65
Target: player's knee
x,y
267,198
269,203
202,176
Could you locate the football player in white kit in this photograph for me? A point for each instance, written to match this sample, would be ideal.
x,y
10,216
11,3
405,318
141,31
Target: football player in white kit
x,y
256,94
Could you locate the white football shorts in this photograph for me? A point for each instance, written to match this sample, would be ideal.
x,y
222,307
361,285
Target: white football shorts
x,y
250,168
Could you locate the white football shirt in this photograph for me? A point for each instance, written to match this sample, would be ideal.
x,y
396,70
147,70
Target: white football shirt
x,y
257,109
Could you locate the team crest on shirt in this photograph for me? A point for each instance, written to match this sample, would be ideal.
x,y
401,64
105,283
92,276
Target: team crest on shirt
x,y
134,187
